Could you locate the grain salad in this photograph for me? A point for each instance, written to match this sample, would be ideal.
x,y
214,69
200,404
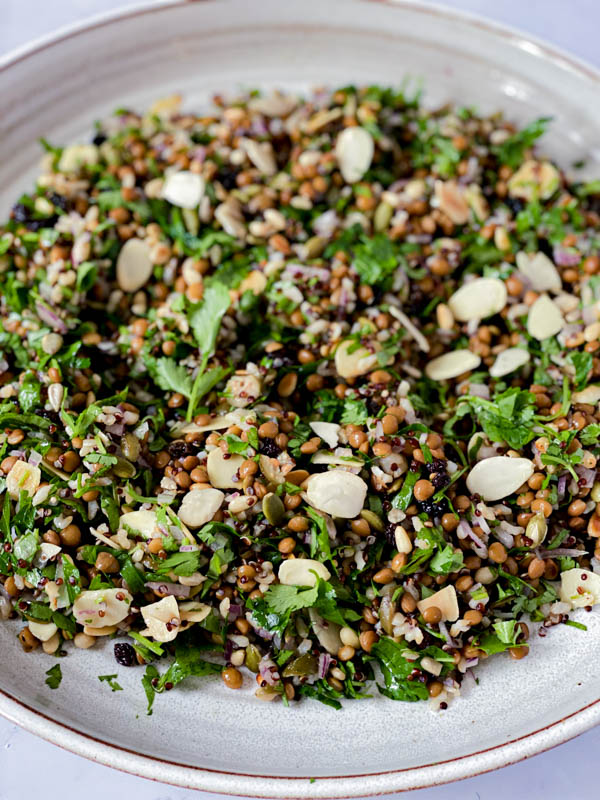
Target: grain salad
x,y
302,392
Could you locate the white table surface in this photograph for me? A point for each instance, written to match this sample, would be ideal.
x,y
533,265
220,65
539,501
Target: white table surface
x,y
30,767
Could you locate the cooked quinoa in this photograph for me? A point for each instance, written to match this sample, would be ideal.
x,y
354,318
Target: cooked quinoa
x,y
303,392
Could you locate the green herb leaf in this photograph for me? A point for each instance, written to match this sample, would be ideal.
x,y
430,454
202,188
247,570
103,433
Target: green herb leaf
x,y
111,680
54,677
512,150
396,669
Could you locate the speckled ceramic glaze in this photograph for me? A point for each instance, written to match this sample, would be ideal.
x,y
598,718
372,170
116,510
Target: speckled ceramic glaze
x,y
203,735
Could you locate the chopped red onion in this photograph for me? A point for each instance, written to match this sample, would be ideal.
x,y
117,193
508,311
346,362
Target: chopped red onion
x,y
588,475
480,390
566,258
562,486
559,552
324,662
17,453
444,631
267,670
503,536
50,318
188,548
34,458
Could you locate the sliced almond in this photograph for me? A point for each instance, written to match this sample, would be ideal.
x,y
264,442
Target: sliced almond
x,y
411,329
217,423
162,619
261,155
223,472
337,492
76,156
354,150
143,522
445,600
508,361
539,271
544,319
184,189
328,633
274,105
243,389
134,265
42,630
590,395
403,541
113,603
328,431
451,365
452,201
579,587
199,507
191,611
229,215
346,461
23,477
534,179
498,476
105,630
299,572
478,299
355,363
241,504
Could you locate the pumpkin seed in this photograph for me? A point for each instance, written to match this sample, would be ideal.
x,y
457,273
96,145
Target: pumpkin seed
x,y
354,151
382,217
253,657
577,590
451,365
273,509
539,271
184,189
498,476
300,572
337,492
131,447
544,319
534,179
445,600
536,529
314,246
373,519
223,472
508,361
306,664
478,299
199,506
123,468
134,265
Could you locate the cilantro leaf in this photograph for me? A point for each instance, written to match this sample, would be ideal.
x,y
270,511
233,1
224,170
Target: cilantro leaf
x,y
396,669
512,150
590,435
170,376
29,393
375,259
404,496
54,677
355,412
111,680
205,319
446,560
582,363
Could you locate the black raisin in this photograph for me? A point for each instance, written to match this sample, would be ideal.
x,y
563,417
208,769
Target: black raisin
x,y
99,139
125,654
433,509
227,178
269,448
